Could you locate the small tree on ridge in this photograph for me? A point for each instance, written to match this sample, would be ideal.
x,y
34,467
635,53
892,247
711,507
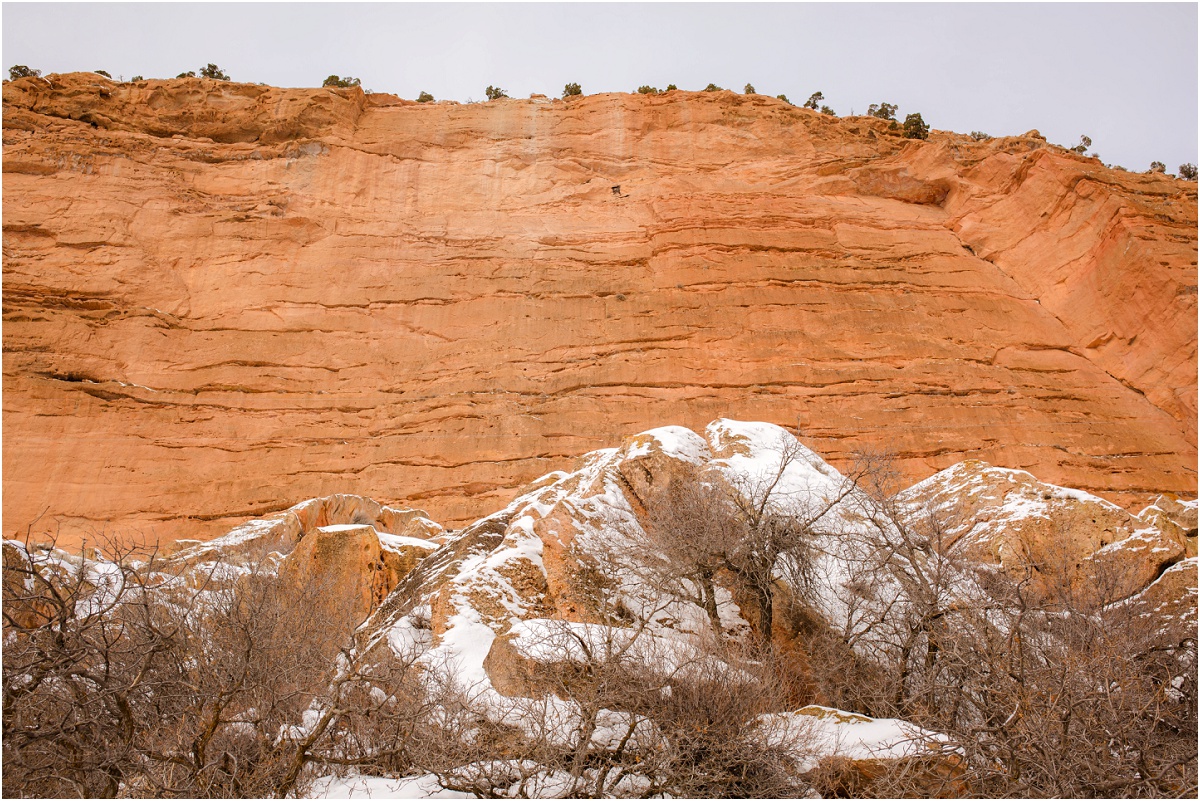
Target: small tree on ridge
x,y
883,111
915,127
214,72
340,83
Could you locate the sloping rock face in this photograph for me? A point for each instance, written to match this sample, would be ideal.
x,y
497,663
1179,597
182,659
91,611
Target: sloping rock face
x,y
576,538
343,554
991,515
220,299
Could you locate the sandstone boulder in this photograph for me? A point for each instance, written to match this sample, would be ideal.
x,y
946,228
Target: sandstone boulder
x,y
345,569
1175,518
991,515
1168,606
846,754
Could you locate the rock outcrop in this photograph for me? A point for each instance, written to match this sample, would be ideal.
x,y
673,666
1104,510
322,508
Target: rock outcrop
x,y
344,554
220,299
529,613
522,602
991,515
577,537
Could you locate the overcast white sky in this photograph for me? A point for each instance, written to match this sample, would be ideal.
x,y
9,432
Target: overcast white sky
x,y
1125,74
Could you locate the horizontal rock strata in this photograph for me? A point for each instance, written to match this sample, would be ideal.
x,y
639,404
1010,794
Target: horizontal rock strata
x,y
221,299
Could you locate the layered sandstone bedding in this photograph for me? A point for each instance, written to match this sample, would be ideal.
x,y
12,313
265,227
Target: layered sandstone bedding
x,y
222,299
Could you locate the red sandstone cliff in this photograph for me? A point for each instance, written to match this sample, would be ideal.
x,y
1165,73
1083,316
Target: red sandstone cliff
x,y
220,299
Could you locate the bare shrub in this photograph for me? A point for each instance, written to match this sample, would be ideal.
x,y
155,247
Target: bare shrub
x,y
775,531
713,743
1055,699
747,528
1047,683
621,713
691,526
127,675
79,644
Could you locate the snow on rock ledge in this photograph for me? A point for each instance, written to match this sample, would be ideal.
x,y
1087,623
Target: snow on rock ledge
x,y
993,515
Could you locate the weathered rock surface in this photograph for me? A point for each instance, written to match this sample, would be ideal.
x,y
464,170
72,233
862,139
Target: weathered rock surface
x,y
991,515
1174,516
1168,606
851,751
220,299
575,537
284,530
343,553
347,569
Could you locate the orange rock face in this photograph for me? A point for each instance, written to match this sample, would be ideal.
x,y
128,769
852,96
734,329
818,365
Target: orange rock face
x,y
221,299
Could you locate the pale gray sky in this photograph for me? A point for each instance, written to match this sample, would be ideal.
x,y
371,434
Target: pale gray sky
x,y
1125,74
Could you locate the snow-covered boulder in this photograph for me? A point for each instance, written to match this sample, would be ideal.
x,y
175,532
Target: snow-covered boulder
x,y
996,516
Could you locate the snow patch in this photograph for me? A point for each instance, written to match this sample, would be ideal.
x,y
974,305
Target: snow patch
x,y
831,732
363,787
394,542
680,443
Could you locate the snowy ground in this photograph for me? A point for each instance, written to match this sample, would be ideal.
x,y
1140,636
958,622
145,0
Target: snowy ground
x,y
379,787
